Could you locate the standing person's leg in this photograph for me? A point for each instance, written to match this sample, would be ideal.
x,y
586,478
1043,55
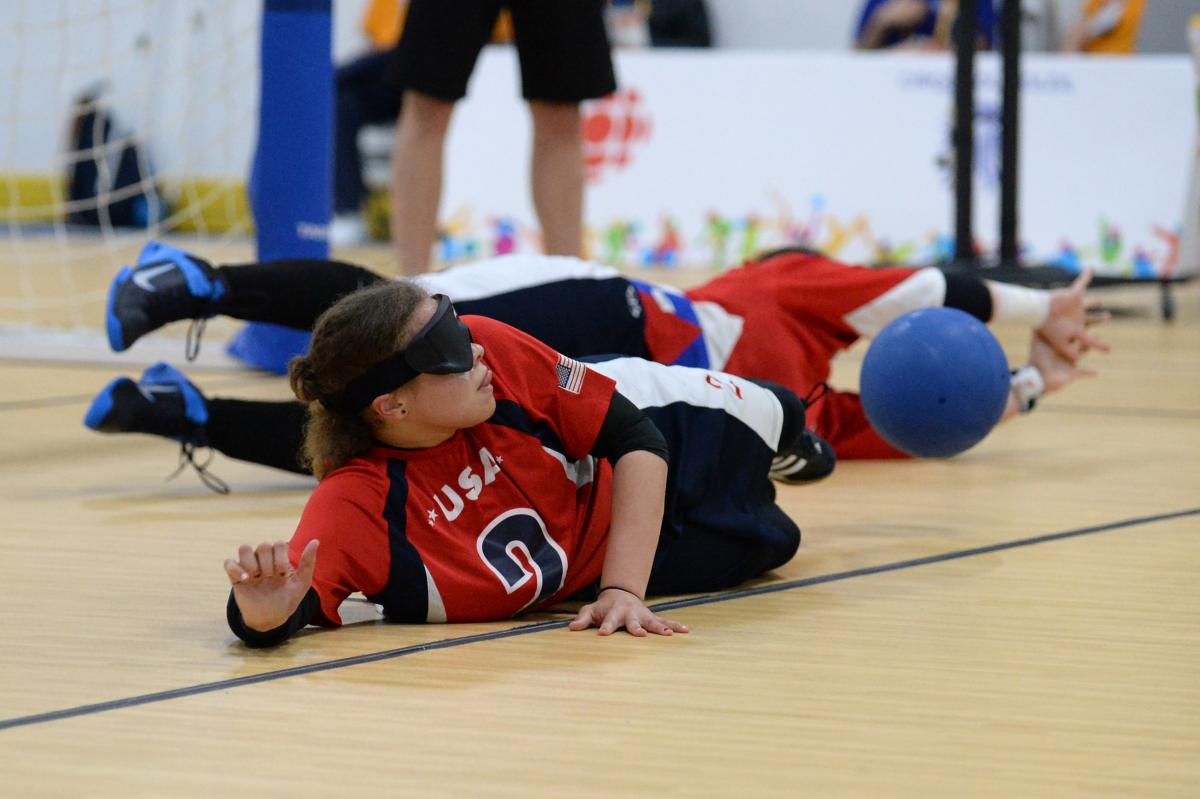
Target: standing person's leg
x,y
556,175
417,178
434,60
565,59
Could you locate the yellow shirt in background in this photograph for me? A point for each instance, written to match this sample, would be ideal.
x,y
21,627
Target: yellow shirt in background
x,y
1111,26
384,20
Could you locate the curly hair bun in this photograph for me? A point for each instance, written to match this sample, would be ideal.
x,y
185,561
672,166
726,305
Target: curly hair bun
x,y
303,379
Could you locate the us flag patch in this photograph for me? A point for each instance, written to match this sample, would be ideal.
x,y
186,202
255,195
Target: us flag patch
x,y
570,374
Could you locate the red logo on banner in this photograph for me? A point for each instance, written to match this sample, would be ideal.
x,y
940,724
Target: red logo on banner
x,y
611,126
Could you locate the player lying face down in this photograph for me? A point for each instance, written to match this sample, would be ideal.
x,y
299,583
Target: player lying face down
x,y
782,317
469,472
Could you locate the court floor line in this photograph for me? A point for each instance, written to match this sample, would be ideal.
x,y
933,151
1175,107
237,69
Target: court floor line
x,y
525,629
62,400
1115,410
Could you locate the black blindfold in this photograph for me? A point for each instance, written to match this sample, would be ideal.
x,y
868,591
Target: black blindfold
x,y
441,347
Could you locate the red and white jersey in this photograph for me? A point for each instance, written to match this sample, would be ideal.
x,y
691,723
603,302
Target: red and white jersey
x,y
782,319
507,515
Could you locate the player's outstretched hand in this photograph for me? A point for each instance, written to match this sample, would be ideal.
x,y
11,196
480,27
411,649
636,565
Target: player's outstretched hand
x,y
615,609
1071,313
265,586
1057,372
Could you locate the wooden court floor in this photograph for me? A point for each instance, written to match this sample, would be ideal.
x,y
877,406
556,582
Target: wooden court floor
x,y
1019,621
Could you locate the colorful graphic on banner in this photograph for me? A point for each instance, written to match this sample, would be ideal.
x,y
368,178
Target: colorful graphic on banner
x,y
725,242
612,127
704,159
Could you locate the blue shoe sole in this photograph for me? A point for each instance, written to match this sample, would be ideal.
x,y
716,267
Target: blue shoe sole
x,y
102,405
116,336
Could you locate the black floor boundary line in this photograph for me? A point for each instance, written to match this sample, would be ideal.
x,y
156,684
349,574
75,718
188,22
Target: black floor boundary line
x,y
925,561
526,629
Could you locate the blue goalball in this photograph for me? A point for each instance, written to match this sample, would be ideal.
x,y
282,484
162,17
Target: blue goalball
x,y
934,382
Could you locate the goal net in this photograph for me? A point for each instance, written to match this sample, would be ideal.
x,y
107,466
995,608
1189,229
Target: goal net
x,y
1189,248
121,120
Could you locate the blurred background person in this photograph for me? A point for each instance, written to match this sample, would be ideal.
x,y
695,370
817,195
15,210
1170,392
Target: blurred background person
x,y
679,23
1107,26
918,24
368,92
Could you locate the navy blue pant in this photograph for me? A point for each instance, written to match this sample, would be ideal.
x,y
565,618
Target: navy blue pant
x,y
367,94
721,526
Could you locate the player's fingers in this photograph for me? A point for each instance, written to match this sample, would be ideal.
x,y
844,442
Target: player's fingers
x,y
582,620
634,626
265,553
1068,351
235,572
611,623
1080,283
673,626
248,561
282,564
308,561
1096,343
657,626
1063,345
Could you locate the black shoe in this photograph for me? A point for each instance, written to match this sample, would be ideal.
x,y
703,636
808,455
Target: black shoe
x,y
809,459
162,403
166,285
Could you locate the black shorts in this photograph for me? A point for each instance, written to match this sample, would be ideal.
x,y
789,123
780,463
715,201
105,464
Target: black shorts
x,y
562,46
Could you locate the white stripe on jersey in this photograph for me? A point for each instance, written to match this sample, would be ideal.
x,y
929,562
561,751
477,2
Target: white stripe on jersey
x,y
436,614
580,472
506,273
652,385
721,331
926,288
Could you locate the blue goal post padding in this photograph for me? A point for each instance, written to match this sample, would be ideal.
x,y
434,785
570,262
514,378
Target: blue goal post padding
x,y
292,177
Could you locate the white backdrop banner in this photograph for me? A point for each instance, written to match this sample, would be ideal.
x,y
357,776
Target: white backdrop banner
x,y
705,157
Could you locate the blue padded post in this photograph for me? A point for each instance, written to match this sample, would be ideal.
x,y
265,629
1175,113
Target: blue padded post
x,y
292,177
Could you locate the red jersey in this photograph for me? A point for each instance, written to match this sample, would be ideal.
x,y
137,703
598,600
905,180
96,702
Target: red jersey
x,y
782,319
507,515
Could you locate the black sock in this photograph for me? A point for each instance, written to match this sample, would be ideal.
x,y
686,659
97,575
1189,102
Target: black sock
x,y
793,414
292,293
268,433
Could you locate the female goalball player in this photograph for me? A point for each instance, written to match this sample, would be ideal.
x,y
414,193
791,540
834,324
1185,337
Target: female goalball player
x,y
469,472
